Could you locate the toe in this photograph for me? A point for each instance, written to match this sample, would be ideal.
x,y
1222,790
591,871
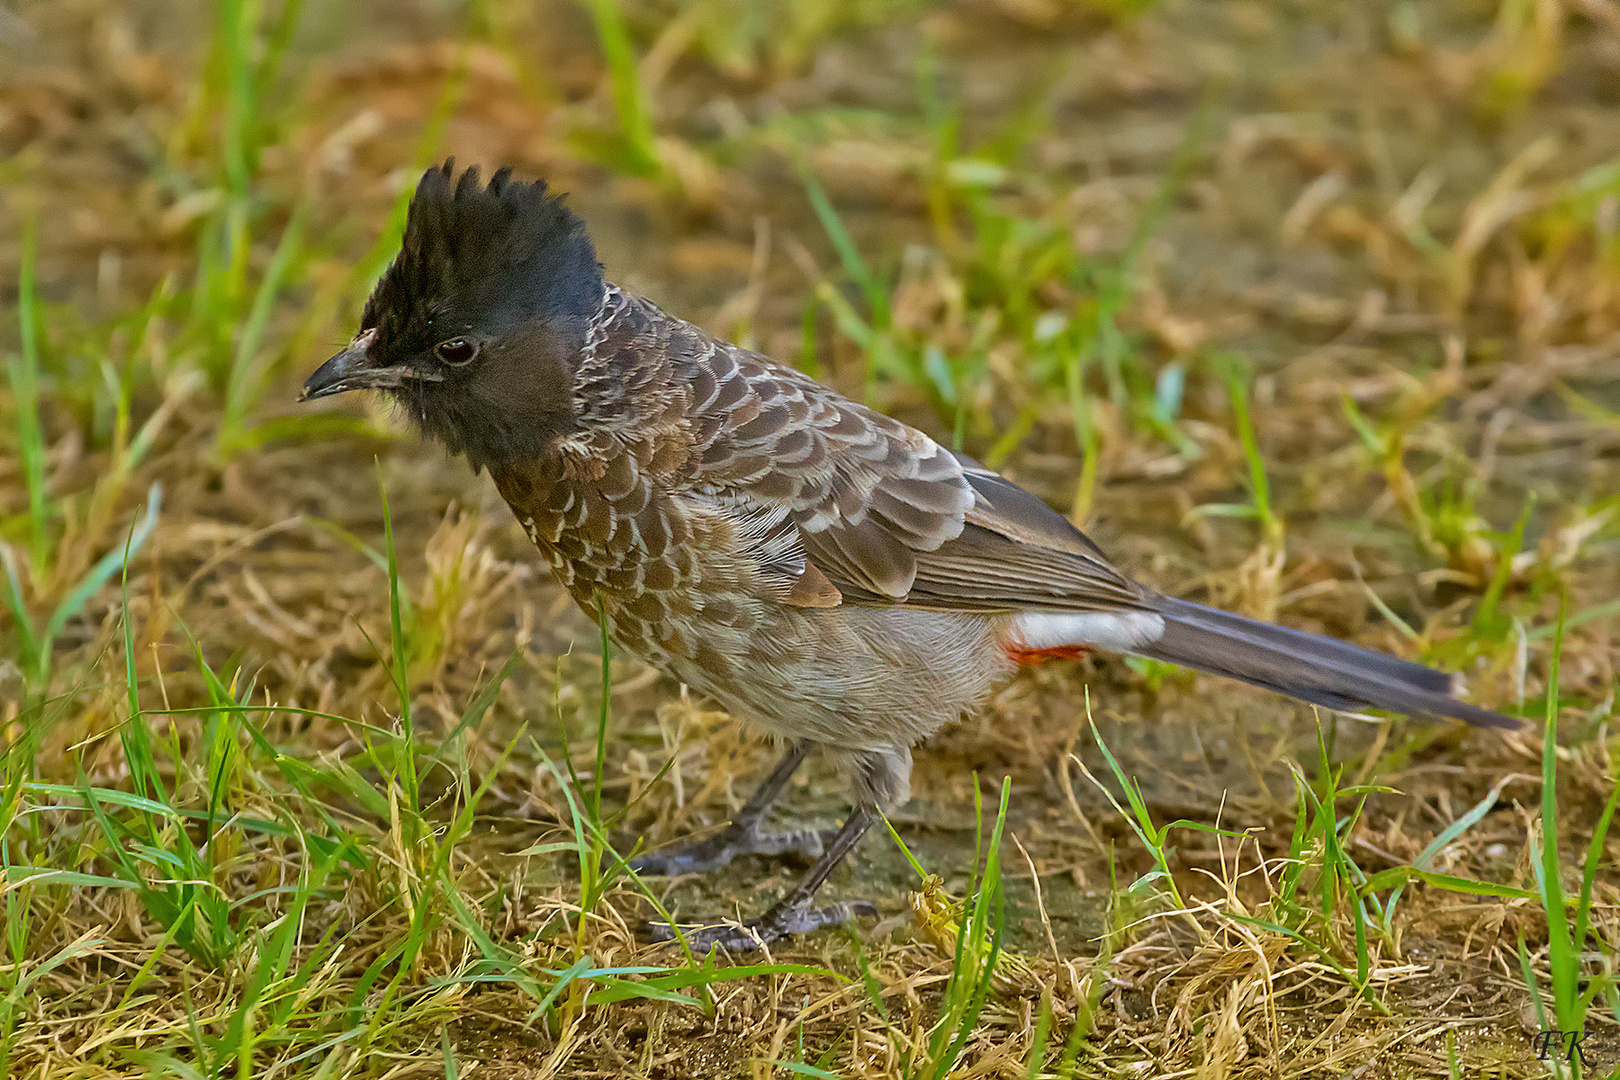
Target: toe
x,y
657,932
653,865
805,919
774,925
701,937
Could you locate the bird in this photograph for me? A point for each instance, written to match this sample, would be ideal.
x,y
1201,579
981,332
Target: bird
x,y
812,565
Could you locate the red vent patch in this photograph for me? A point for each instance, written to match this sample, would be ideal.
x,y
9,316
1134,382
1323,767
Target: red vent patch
x,y
1023,654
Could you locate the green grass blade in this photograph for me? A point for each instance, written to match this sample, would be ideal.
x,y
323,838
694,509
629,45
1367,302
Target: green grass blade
x,y
245,380
799,1068
452,1071
23,373
629,95
109,564
1399,875
603,716
1594,859
399,646
1561,956
27,636
848,254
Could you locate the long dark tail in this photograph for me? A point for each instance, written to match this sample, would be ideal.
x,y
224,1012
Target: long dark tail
x,y
1319,670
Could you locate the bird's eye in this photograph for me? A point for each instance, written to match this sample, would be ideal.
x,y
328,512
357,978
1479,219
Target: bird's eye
x,y
456,351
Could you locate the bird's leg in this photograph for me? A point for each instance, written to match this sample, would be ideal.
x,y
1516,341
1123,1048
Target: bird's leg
x,y
743,835
794,913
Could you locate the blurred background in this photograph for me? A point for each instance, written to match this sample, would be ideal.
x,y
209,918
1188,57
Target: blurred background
x,y
1304,308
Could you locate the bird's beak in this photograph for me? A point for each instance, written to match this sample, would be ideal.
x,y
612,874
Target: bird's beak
x,y
352,369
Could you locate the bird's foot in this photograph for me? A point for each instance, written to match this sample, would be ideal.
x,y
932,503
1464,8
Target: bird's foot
x,y
703,854
783,920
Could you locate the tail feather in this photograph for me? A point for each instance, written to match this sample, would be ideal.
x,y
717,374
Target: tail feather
x,y
1319,670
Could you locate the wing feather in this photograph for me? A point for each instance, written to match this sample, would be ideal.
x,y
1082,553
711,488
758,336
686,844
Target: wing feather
x,y
882,511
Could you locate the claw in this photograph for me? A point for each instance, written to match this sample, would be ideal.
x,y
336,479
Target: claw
x,y
777,923
712,852
793,914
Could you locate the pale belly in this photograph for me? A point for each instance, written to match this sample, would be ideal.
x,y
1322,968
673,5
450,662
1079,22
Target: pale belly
x,y
850,677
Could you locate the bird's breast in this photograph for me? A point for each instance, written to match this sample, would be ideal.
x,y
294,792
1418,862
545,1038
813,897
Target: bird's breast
x,y
665,573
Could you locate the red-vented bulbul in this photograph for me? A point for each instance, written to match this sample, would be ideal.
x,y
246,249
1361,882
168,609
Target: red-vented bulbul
x,y
822,569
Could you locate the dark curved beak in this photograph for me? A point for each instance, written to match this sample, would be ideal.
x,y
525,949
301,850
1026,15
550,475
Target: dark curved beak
x,y
353,369
350,369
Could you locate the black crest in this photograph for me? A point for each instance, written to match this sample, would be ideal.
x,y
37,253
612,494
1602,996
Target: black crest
x,y
508,249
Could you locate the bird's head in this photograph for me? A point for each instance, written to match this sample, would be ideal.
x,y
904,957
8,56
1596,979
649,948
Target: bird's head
x,y
477,326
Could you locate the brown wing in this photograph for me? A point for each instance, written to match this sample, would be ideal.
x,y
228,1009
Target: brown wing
x,y
883,512
1015,552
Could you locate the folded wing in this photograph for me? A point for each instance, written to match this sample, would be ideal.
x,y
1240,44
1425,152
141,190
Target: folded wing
x,y
885,513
